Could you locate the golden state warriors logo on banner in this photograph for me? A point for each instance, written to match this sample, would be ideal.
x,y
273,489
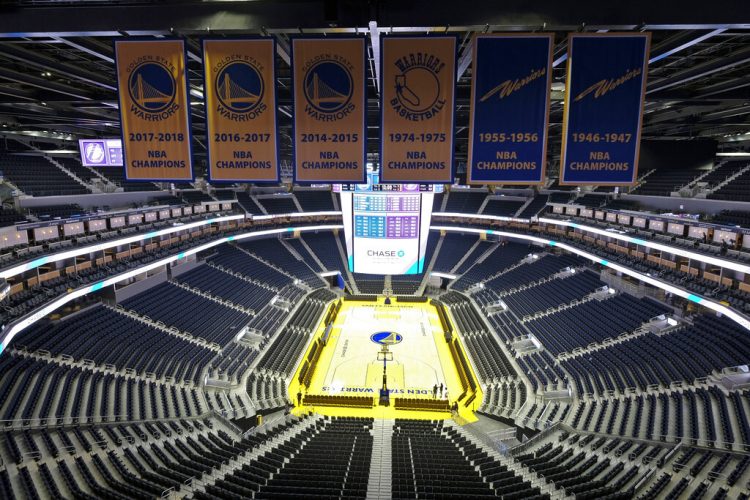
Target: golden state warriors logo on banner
x,y
154,110
417,82
330,140
241,110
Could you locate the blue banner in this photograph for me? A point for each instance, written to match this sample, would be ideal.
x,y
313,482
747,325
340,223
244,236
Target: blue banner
x,y
509,108
604,108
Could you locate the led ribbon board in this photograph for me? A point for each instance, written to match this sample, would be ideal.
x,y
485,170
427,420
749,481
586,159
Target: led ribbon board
x,y
604,97
510,92
154,109
330,109
240,95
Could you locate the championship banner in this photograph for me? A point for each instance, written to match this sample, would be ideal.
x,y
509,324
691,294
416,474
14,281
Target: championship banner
x,y
330,109
154,109
604,95
417,84
241,110
510,93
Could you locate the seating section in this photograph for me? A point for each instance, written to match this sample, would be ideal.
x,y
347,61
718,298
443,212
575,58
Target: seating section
x,y
593,321
279,204
735,190
553,293
324,246
465,202
454,247
234,260
369,284
665,180
117,176
282,355
315,201
273,251
194,197
535,206
91,334
37,176
651,359
74,165
430,460
505,256
9,217
241,292
248,204
733,218
189,312
501,207
58,211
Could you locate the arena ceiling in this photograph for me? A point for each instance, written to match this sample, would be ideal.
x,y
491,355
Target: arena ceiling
x,y
57,75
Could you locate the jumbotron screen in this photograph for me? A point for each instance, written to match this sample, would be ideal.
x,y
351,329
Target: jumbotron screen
x,y
101,152
386,230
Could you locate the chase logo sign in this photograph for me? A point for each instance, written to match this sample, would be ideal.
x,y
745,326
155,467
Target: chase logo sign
x,y
386,338
328,89
239,88
152,90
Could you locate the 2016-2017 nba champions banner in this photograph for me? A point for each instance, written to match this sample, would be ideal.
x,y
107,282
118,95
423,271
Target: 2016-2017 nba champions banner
x,y
510,93
417,84
604,95
241,110
330,109
154,109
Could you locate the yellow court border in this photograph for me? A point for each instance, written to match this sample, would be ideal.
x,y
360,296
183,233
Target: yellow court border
x,y
465,414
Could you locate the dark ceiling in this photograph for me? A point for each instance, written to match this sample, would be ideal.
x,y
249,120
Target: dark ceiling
x,y
57,70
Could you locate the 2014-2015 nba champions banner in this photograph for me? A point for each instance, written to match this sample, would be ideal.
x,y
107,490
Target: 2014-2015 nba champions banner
x,y
417,85
510,92
240,95
330,109
154,109
604,95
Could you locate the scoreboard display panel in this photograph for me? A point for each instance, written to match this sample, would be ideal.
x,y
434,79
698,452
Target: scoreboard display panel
x,y
386,227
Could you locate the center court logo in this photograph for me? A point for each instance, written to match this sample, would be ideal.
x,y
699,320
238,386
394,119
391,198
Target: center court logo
x,y
386,338
328,89
417,86
152,90
239,90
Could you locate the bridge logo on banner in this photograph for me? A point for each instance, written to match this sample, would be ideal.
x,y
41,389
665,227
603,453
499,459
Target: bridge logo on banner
x,y
604,95
241,110
239,89
328,79
510,91
152,89
328,90
417,84
154,110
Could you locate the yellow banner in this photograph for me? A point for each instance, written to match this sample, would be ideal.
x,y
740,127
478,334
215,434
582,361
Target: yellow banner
x,y
241,110
330,109
417,84
154,109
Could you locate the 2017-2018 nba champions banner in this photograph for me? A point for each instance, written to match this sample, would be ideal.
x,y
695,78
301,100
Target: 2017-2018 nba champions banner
x,y
154,109
604,95
330,109
241,110
417,84
510,93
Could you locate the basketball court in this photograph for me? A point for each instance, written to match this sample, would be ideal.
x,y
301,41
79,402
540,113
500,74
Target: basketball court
x,y
418,358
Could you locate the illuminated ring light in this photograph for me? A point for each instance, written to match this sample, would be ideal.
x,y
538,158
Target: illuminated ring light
x,y
35,316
